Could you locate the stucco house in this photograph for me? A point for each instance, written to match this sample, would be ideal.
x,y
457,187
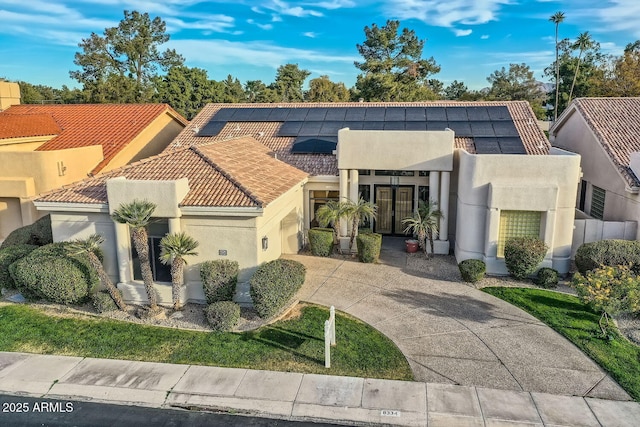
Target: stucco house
x,y
604,131
43,147
487,165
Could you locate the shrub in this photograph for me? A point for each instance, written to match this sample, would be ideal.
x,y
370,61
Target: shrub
x,y
369,246
223,316
547,278
8,256
274,284
590,256
321,241
49,272
472,270
38,233
219,279
103,302
523,254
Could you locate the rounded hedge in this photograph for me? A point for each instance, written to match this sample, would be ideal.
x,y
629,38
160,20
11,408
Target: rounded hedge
x,y
103,302
223,316
590,256
49,272
547,278
321,241
369,245
472,270
8,256
219,279
38,233
522,255
274,284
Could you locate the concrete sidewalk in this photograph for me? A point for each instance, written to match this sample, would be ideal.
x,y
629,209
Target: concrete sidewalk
x,y
293,396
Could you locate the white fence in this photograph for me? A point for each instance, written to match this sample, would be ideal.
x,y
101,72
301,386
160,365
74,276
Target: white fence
x,y
587,230
329,336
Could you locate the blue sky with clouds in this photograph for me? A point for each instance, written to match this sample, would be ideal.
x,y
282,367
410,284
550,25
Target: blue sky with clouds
x,y
469,39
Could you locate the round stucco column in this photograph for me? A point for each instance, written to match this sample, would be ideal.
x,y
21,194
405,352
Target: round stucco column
x,y
444,205
353,185
174,225
434,191
123,252
344,195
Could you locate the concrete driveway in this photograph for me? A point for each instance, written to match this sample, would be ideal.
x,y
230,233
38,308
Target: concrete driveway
x,y
453,333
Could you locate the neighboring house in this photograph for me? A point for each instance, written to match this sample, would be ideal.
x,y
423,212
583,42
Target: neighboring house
x,y
605,132
486,164
43,147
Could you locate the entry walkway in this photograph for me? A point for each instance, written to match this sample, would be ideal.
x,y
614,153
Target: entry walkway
x,y
452,333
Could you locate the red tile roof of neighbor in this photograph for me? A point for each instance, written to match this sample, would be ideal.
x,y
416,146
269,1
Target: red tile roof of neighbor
x,y
237,173
113,126
616,124
534,140
27,125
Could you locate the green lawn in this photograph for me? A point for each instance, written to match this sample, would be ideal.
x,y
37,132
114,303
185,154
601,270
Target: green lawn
x,y
578,323
295,345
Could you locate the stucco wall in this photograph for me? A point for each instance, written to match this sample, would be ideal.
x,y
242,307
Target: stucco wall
x,y
575,135
488,184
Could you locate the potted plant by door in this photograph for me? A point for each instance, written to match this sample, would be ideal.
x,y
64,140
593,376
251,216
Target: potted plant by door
x,y
412,246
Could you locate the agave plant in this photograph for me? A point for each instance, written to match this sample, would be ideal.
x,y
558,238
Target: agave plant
x,y
173,248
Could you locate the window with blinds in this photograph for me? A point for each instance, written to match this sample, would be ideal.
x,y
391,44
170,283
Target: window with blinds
x,y
517,224
597,202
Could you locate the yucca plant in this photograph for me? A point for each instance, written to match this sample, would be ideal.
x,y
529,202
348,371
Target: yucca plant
x,y
424,223
91,246
358,212
136,215
331,213
173,248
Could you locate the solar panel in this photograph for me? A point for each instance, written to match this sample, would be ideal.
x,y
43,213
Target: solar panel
x,y
303,145
355,114
393,125
437,125
462,129
336,114
242,114
279,114
479,129
373,126
511,146
487,146
290,129
415,125
212,128
479,114
415,114
354,125
260,115
374,114
298,114
316,114
456,114
330,128
499,113
224,114
505,129
310,129
394,114
436,114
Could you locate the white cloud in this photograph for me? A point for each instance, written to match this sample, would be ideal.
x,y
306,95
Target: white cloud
x,y
462,33
284,8
447,14
333,4
484,36
620,15
310,34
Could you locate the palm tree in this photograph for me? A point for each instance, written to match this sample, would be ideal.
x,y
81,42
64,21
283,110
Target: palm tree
x,y
583,42
91,246
137,215
174,247
357,212
331,213
557,18
425,222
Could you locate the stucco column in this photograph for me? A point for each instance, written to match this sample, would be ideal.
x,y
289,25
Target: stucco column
x,y
444,205
123,251
353,185
434,191
491,233
174,225
344,195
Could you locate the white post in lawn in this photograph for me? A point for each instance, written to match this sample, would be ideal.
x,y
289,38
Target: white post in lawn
x,y
329,336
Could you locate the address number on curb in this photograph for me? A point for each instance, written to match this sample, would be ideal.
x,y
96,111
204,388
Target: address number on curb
x,y
389,413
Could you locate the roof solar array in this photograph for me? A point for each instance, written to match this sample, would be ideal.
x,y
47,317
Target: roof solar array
x,y
491,128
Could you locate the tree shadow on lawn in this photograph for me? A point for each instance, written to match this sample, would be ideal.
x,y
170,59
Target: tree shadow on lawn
x,y
283,339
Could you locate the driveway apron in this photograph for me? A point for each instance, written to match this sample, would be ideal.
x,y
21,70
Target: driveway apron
x,y
453,333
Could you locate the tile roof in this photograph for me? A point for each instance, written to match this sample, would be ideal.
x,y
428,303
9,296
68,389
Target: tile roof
x,y
534,140
237,173
616,124
27,125
113,126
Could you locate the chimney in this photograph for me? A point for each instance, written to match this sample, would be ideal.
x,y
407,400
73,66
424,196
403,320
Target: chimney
x,y
9,95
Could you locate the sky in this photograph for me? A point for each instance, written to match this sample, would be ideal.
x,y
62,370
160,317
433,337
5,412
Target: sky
x,y
469,39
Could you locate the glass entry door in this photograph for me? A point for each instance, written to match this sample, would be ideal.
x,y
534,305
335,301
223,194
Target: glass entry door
x,y
394,205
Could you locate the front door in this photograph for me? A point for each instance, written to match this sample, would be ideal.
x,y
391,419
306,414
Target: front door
x,y
394,205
